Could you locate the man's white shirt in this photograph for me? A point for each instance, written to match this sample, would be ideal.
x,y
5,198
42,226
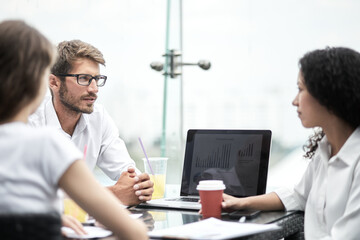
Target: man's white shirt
x,y
96,132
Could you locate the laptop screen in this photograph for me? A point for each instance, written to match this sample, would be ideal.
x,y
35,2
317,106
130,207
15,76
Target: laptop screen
x,y
238,157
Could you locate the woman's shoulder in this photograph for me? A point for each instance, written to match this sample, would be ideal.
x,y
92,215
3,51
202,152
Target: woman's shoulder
x,y
43,133
41,136
23,131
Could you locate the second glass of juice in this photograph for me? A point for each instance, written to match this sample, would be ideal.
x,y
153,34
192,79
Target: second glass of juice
x,y
156,168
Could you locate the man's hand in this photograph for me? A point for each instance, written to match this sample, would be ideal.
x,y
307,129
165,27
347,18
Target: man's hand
x,y
124,189
144,187
133,189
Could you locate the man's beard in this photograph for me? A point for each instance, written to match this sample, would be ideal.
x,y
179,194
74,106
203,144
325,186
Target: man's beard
x,y
71,103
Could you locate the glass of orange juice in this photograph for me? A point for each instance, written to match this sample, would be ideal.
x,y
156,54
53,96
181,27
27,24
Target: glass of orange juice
x,y
71,208
157,173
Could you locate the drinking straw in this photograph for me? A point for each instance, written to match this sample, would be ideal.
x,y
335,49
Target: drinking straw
x,y
147,159
85,150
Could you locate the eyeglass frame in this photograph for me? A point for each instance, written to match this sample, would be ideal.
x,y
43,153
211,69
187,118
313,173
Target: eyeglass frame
x,y
77,78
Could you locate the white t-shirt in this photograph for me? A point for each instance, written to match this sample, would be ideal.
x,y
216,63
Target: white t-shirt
x,y
97,131
31,163
329,192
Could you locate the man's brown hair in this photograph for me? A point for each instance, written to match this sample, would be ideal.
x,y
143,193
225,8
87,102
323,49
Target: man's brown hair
x,y
24,56
70,51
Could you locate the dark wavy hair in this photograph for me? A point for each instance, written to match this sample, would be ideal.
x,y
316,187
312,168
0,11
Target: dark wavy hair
x,y
332,77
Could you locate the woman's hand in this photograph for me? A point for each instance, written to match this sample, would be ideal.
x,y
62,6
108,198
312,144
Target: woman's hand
x,y
231,203
71,222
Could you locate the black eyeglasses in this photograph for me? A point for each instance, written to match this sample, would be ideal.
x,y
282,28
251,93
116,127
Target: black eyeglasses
x,y
85,79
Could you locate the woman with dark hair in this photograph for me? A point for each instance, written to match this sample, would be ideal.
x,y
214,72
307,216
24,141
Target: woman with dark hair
x,y
329,192
34,163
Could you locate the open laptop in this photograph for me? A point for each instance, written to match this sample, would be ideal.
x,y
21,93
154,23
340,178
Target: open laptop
x,y
238,157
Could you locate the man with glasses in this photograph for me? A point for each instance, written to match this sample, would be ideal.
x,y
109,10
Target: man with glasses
x,y
74,83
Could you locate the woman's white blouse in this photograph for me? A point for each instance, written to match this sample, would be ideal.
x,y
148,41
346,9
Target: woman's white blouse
x,y
329,192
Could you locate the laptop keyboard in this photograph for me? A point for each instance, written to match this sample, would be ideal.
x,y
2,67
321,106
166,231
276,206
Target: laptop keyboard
x,y
184,199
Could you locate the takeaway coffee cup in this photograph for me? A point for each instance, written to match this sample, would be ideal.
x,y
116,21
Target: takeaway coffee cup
x,y
211,197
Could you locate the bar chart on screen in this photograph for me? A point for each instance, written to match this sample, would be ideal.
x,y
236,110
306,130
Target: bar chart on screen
x,y
219,158
247,151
